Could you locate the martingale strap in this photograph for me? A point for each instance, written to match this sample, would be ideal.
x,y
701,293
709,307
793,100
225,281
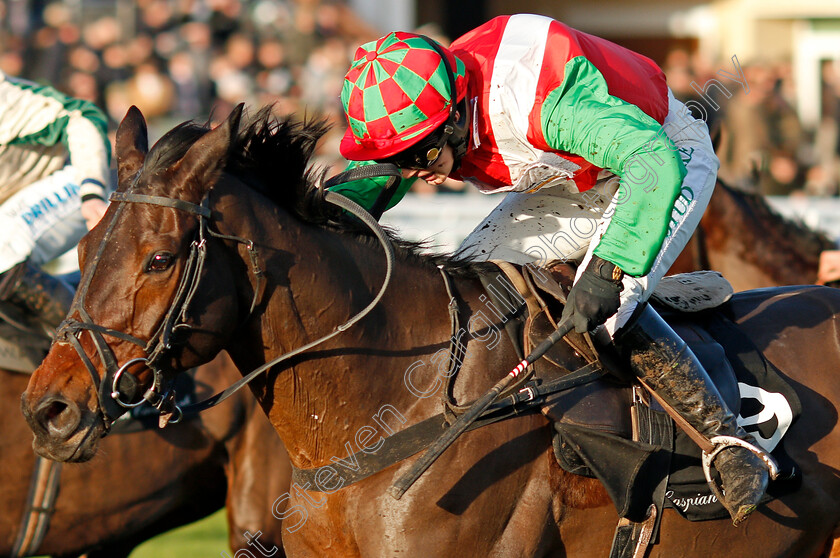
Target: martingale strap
x,y
457,349
417,437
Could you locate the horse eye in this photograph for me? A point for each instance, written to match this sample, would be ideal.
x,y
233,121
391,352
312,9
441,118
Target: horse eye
x,y
160,261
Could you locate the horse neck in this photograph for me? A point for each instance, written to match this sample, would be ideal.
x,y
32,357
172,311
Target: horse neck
x,y
317,280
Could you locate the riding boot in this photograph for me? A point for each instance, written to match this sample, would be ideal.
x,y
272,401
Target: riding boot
x,y
668,366
45,297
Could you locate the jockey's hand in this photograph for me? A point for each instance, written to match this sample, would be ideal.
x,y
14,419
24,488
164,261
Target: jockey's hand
x,y
595,297
92,210
829,268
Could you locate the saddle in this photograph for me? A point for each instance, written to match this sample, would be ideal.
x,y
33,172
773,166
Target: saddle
x,y
611,428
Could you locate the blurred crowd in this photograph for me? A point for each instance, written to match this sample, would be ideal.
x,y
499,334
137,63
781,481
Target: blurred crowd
x,y
187,59
762,145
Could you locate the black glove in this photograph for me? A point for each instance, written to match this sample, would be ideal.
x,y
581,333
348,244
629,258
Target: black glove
x,y
596,295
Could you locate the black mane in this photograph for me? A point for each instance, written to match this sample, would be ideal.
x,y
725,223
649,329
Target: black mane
x,y
801,239
272,155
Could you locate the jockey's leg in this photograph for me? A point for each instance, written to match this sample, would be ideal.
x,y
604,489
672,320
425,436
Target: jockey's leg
x,y
551,224
663,360
657,354
38,293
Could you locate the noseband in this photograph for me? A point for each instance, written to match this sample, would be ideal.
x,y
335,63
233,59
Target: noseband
x,y
117,391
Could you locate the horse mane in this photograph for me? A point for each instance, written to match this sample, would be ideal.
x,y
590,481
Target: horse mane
x,y
803,240
272,155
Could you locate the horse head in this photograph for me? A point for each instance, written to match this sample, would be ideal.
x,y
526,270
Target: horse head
x,y
139,314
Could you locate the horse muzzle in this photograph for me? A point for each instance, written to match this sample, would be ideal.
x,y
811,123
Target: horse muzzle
x,y
63,431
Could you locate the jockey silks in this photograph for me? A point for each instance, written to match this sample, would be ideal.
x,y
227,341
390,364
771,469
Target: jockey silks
x,y
552,106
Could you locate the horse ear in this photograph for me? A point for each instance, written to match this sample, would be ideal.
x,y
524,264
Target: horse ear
x,y
200,168
132,144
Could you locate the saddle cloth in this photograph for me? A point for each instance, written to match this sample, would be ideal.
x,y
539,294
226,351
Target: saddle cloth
x,y
610,429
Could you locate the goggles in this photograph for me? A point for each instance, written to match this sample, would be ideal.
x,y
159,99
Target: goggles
x,y
424,154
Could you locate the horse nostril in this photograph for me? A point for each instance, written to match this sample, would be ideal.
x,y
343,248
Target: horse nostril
x,y
58,417
53,410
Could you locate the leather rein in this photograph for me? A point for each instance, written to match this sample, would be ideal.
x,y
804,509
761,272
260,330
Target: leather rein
x,y
117,389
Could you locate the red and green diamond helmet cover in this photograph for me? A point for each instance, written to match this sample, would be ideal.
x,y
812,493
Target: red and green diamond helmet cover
x,y
395,93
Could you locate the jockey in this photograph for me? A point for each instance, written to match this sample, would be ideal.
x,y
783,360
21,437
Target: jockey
x,y
603,165
54,165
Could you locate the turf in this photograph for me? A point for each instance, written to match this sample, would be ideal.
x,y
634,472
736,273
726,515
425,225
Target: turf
x,y
204,539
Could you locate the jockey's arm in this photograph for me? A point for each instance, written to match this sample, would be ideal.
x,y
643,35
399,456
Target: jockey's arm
x,y
89,148
80,126
364,192
581,117
87,143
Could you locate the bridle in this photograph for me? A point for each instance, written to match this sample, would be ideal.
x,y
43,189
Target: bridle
x,y
117,389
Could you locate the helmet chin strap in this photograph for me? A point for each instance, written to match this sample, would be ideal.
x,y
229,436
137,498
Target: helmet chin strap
x,y
458,137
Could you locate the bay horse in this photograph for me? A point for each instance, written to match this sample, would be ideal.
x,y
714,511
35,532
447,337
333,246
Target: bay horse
x,y
150,481
279,269
146,483
752,245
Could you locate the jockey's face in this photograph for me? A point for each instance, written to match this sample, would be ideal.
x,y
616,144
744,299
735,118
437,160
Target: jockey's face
x,y
438,171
